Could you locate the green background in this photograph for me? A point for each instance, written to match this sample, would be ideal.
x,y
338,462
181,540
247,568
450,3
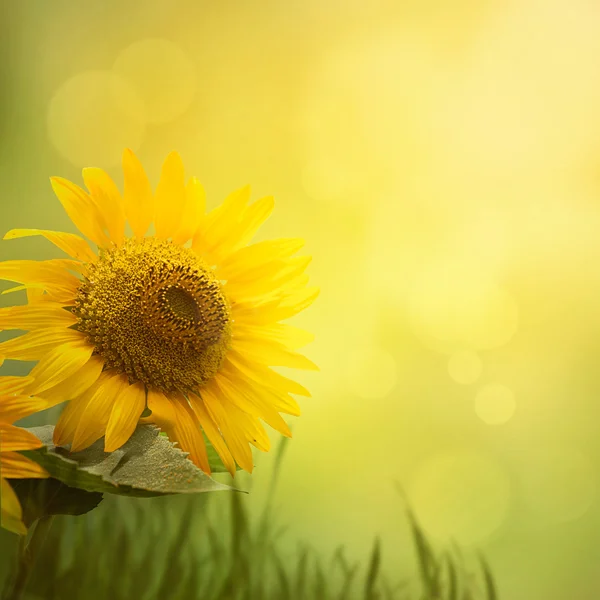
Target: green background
x,y
441,160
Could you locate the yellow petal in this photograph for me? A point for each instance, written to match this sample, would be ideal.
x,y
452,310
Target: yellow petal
x,y
13,384
297,302
239,227
21,288
163,413
272,311
239,390
267,278
170,197
238,263
124,417
137,195
60,362
212,432
253,400
293,286
36,344
36,316
74,386
52,274
35,294
15,466
193,211
107,198
261,271
259,394
272,354
64,431
70,243
14,438
236,441
250,428
11,514
180,422
93,421
266,376
221,222
13,408
289,336
188,433
81,209
230,397
254,216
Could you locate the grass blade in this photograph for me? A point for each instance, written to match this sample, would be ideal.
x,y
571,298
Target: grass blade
x,y
373,572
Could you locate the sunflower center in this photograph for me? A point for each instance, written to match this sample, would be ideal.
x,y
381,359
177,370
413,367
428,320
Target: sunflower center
x,y
181,304
155,311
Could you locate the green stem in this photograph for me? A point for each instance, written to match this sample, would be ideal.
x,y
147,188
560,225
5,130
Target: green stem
x,y
27,552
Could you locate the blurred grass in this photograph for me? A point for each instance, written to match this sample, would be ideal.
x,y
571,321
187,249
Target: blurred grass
x,y
108,556
210,547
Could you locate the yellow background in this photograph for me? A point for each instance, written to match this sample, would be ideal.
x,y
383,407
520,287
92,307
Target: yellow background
x,y
442,160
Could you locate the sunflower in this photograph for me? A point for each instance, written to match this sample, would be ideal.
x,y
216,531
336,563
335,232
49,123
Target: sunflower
x,y
182,318
12,439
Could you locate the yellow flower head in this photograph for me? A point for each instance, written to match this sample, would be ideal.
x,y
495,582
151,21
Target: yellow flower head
x,y
12,439
185,321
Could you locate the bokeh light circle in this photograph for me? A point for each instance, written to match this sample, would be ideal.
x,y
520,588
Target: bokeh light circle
x,y
163,75
93,116
559,484
495,404
460,495
465,367
371,372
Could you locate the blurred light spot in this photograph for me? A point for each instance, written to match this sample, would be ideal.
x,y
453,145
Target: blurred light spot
x,y
465,367
463,496
458,303
371,373
93,116
559,484
495,404
163,75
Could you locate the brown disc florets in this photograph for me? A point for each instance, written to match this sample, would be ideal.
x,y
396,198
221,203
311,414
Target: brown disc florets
x,y
155,311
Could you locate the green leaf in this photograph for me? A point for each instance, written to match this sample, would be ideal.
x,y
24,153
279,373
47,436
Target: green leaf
x,y
215,462
148,464
46,497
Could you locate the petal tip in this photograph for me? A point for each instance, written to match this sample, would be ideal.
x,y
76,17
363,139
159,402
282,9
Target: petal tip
x,y
59,183
128,157
58,437
173,158
112,446
129,154
77,445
